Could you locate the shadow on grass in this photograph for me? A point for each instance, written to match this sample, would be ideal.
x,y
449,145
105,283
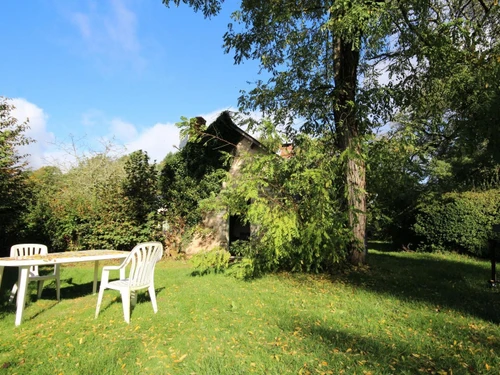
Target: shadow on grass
x,y
444,283
384,246
67,292
141,298
384,355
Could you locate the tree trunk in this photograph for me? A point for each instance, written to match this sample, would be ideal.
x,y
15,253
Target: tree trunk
x,y
356,199
346,61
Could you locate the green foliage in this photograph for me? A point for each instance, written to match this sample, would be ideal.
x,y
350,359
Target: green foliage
x,y
140,185
242,269
40,223
198,169
294,206
213,261
14,189
458,221
182,187
450,101
395,176
315,54
443,96
101,203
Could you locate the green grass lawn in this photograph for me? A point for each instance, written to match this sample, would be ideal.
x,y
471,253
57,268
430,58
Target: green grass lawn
x,y
405,313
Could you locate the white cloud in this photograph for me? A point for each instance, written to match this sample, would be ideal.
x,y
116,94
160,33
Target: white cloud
x,y
37,131
122,130
92,117
82,22
157,141
121,27
109,30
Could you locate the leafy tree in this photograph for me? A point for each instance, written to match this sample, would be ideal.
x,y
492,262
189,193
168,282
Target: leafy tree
x,y
13,187
325,57
295,211
443,103
40,223
396,176
445,69
140,185
315,53
88,208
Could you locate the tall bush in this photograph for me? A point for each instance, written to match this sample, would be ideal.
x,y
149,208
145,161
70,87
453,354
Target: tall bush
x,y
102,202
14,189
458,221
191,175
294,206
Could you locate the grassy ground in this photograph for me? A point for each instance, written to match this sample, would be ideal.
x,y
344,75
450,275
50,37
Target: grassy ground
x,y
405,313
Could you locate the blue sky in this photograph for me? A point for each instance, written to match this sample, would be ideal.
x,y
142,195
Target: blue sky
x,y
114,69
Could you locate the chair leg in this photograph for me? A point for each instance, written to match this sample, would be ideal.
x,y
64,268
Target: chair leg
x,y
152,295
58,281
133,298
99,300
126,304
40,287
13,293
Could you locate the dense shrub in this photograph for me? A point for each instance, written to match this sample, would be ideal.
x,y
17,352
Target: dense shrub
x,y
213,261
100,203
182,185
293,205
458,221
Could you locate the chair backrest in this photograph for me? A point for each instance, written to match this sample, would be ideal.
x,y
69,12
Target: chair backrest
x,y
25,249
142,259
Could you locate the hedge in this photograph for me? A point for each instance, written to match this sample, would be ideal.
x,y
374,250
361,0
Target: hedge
x,y
458,222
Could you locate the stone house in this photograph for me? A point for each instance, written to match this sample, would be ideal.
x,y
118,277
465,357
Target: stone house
x,y
224,135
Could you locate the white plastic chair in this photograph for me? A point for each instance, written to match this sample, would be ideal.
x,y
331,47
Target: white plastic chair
x,y
142,260
27,249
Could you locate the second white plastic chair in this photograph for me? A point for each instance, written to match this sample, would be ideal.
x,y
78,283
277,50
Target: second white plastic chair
x,y
27,249
141,261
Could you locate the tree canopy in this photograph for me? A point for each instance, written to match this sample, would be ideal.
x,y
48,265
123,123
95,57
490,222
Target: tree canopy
x,y
13,189
326,60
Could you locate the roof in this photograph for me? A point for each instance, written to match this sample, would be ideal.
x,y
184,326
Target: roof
x,y
224,129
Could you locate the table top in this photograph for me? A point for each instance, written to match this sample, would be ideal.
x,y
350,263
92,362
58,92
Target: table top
x,y
65,257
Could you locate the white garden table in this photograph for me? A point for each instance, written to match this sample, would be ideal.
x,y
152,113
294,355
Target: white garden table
x,y
25,262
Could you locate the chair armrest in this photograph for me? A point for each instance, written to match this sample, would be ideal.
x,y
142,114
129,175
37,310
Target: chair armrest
x,y
107,269
111,268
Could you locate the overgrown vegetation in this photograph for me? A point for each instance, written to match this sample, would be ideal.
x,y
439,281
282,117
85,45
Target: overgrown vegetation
x,y
102,202
428,173
325,60
294,205
13,188
216,261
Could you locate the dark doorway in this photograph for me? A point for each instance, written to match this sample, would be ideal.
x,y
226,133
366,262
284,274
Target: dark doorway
x,y
238,230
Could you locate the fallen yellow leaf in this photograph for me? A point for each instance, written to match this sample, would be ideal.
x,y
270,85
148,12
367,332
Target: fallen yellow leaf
x,y
181,358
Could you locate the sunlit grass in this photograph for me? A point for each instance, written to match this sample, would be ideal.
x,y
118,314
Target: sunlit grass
x,y
406,313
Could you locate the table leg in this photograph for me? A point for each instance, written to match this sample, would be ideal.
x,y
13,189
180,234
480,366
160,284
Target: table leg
x,y
1,275
96,272
57,269
21,293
